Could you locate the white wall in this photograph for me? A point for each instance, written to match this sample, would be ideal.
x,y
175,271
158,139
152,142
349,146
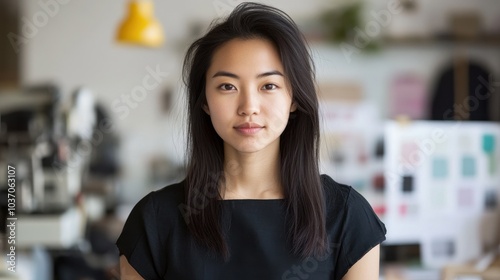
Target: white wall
x,y
75,47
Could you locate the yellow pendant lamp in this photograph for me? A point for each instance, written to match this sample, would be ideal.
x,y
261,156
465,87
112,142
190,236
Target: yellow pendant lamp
x,y
140,27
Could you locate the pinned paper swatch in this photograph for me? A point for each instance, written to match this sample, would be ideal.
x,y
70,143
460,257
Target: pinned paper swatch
x,y
407,184
468,166
439,168
489,149
465,197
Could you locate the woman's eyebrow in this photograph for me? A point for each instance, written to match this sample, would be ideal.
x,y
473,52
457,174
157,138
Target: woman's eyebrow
x,y
232,75
225,74
270,73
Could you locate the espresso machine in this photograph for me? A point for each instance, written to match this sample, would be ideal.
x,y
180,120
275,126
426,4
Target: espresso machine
x,y
41,141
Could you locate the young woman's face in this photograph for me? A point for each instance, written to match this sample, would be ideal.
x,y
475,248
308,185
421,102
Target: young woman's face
x,y
249,100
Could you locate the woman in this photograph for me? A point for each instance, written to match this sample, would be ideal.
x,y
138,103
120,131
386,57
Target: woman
x,y
253,204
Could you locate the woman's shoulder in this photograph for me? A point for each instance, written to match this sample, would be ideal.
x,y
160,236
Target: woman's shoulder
x,y
161,202
170,194
345,205
335,193
166,200
342,199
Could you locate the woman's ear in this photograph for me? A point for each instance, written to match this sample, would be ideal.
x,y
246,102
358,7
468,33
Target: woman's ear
x,y
293,107
205,108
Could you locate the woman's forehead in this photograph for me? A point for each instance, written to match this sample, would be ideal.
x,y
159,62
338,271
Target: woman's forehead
x,y
246,56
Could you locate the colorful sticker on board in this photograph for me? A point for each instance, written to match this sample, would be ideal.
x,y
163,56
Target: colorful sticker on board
x,y
439,168
408,210
407,184
488,143
409,153
403,210
468,166
489,148
465,197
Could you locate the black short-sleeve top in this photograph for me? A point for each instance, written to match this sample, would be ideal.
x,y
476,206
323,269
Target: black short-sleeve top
x,y
157,244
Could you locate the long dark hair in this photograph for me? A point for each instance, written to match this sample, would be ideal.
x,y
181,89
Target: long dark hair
x,y
299,142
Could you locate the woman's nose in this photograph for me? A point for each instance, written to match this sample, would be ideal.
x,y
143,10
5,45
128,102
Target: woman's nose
x,y
249,103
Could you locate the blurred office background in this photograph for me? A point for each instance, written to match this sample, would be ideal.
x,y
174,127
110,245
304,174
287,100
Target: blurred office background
x,y
410,111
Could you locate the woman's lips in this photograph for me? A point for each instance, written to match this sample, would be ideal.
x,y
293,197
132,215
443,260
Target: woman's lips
x,y
249,128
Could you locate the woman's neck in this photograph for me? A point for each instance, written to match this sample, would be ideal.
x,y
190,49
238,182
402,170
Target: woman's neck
x,y
252,175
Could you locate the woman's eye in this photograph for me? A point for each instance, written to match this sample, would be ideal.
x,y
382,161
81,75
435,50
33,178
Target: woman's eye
x,y
270,87
226,87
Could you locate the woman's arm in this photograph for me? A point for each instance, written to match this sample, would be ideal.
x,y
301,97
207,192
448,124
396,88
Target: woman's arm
x,y
127,272
366,268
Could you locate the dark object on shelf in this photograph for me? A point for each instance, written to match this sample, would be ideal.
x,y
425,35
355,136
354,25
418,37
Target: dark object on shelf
x,y
465,25
104,158
463,92
379,148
